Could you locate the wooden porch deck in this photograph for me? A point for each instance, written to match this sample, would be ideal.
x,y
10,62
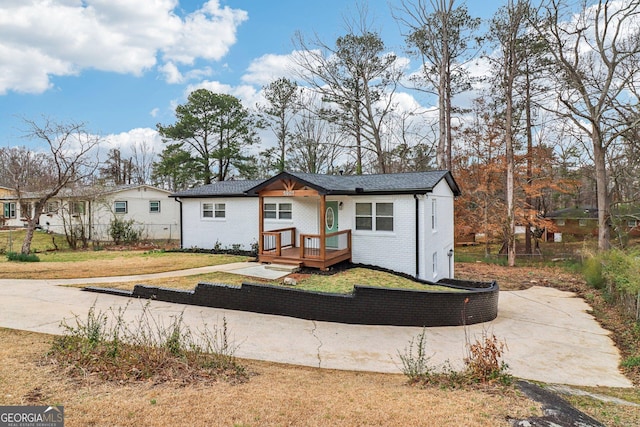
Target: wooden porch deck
x,y
279,247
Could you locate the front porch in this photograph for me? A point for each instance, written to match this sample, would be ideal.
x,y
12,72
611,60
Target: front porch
x,y
307,250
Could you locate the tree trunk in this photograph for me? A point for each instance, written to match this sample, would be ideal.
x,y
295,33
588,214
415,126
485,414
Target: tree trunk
x,y
28,237
442,139
602,193
528,201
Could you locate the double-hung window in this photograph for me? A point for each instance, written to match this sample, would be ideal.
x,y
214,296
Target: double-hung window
x,y
77,208
25,209
220,210
434,214
120,207
52,207
285,211
9,210
374,216
154,206
278,211
207,210
214,210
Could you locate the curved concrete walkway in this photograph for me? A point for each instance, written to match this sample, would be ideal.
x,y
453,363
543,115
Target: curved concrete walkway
x,y
550,336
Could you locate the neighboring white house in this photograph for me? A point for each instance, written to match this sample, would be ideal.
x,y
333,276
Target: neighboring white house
x,y
402,222
155,215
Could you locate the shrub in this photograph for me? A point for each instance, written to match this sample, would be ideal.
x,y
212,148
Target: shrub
x,y
106,345
124,231
592,271
622,270
484,360
20,257
415,362
483,364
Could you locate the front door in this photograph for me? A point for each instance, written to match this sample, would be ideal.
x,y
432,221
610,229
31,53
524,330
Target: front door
x,y
331,224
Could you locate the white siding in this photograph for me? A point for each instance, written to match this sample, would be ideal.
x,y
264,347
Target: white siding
x,y
100,211
155,225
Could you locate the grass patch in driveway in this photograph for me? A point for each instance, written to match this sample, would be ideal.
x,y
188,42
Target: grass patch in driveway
x,y
341,283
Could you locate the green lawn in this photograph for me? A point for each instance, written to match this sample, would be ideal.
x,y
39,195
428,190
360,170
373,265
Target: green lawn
x,y
11,241
341,283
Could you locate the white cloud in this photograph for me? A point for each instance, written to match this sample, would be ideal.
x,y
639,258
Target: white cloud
x,y
268,68
126,141
247,94
171,73
43,38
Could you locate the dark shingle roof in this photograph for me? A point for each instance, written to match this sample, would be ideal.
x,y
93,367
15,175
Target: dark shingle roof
x,y
396,183
222,188
574,213
408,182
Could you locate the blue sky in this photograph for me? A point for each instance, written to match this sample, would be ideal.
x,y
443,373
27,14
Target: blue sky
x,y
121,66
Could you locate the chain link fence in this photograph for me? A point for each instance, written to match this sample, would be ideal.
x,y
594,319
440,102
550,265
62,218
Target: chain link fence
x,y
146,232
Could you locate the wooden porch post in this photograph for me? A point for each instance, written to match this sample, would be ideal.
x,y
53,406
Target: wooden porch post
x,y
260,223
323,221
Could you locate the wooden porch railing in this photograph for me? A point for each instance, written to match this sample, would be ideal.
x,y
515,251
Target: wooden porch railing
x,y
311,245
274,241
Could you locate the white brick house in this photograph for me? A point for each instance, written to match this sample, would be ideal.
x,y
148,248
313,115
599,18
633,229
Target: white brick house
x,y
402,222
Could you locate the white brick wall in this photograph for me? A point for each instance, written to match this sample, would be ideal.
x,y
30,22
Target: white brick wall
x,y
393,250
240,225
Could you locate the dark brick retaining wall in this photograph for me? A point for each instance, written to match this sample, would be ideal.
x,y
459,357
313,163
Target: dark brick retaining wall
x,y
366,305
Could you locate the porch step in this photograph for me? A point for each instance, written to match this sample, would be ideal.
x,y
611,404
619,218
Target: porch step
x,y
291,268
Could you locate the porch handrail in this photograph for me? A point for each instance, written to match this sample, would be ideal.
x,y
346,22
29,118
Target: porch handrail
x,y
318,249
277,235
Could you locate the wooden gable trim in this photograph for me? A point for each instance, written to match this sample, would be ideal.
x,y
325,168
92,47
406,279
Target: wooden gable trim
x,y
287,187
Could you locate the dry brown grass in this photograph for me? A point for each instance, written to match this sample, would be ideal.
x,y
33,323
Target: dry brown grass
x,y
111,264
276,395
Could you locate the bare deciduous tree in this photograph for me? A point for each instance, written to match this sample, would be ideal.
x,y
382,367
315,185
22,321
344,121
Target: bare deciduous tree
x,y
595,50
357,80
508,29
40,177
441,35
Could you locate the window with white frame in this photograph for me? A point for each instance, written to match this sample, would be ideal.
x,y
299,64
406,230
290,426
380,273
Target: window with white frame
x,y
374,216
364,216
270,210
561,222
25,209
207,210
434,264
52,207
285,211
278,211
77,208
9,210
632,223
120,206
220,210
154,206
384,216
582,222
434,211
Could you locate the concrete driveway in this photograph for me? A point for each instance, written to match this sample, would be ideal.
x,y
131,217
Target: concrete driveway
x,y
550,336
